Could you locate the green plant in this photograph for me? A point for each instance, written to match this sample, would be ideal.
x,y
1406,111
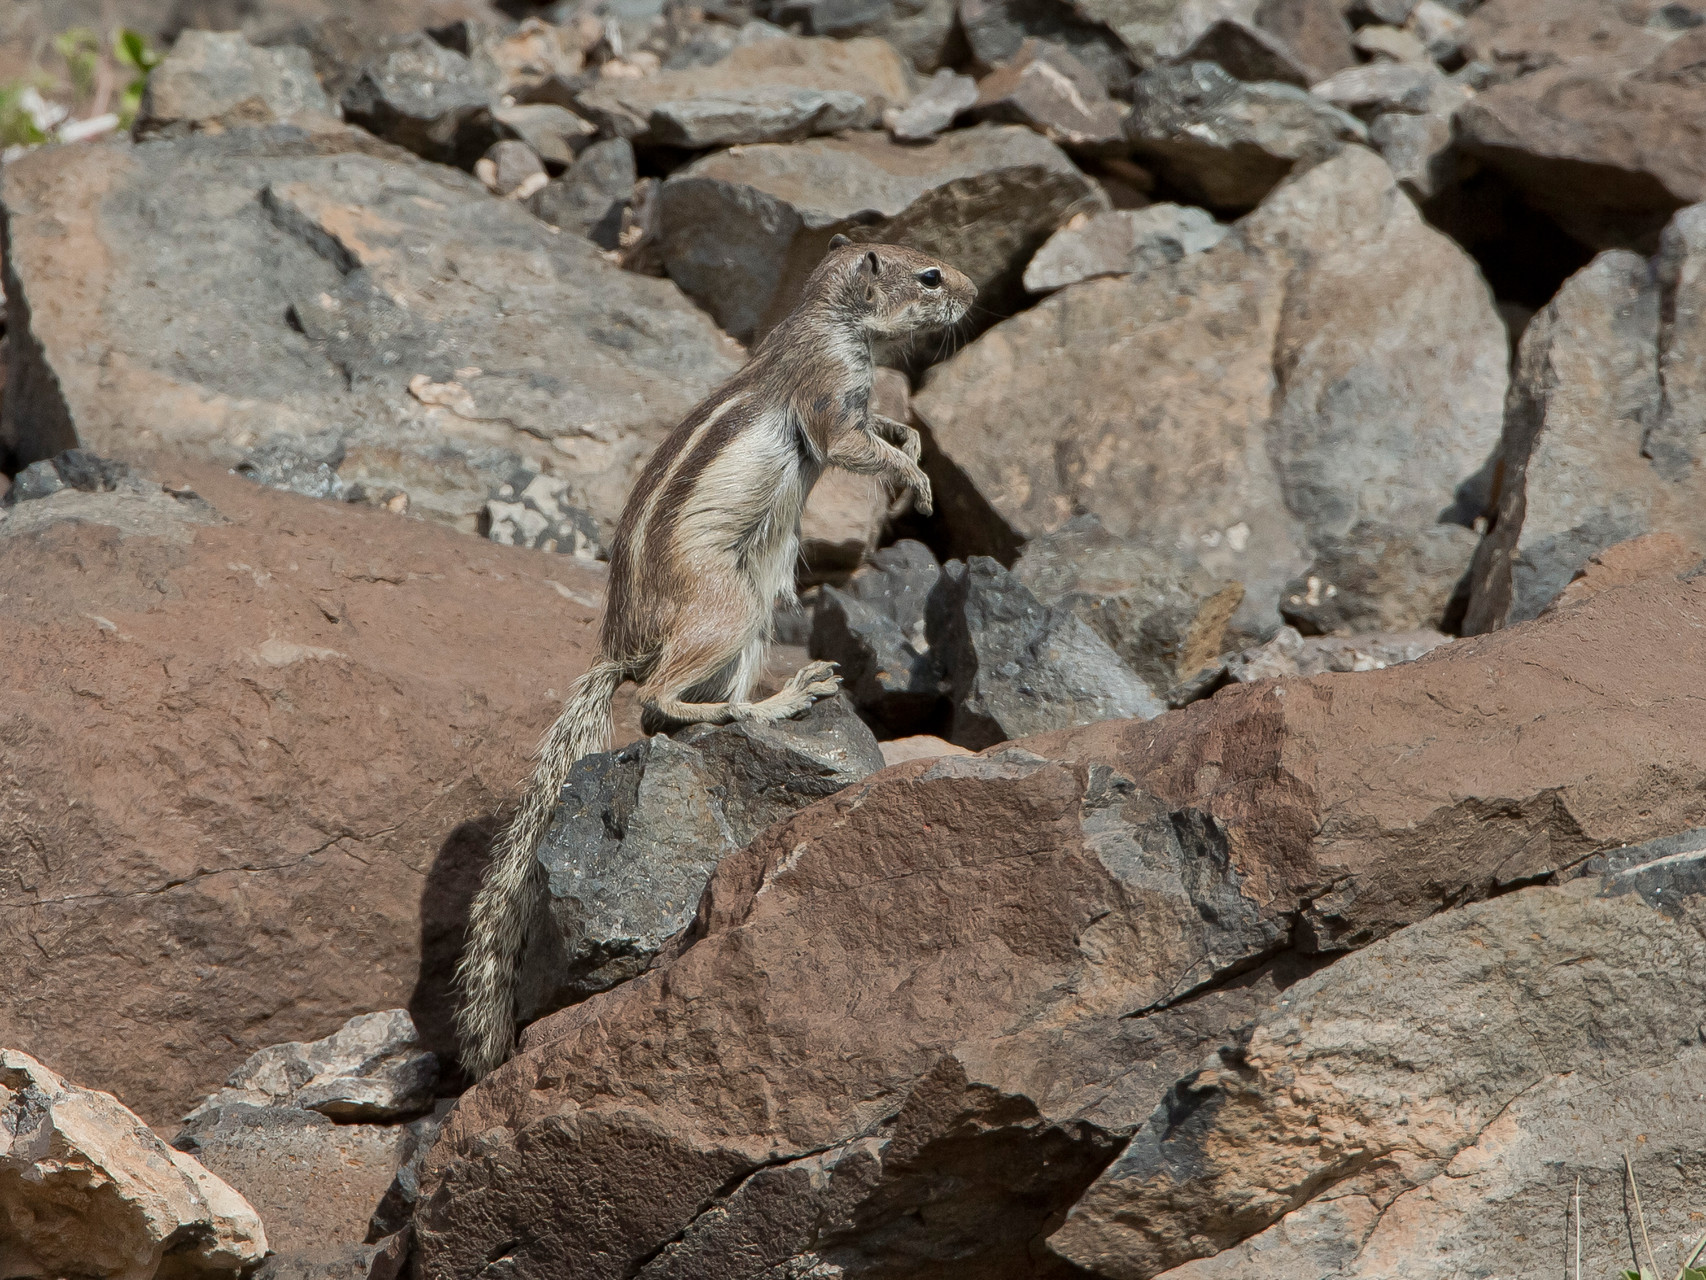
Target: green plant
x,y
81,49
17,124
131,49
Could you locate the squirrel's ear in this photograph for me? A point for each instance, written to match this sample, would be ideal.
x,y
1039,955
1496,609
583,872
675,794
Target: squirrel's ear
x,y
839,242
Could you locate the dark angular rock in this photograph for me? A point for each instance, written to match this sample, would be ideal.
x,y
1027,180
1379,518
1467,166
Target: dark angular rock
x,y
73,469
873,629
639,831
1015,667
590,197
995,29
1378,578
426,98
556,134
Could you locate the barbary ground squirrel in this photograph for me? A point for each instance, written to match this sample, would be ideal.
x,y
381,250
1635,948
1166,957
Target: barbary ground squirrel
x,y
703,553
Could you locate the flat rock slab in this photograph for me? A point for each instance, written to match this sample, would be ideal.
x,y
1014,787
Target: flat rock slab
x,y
742,229
336,316
1333,360
247,761
927,1012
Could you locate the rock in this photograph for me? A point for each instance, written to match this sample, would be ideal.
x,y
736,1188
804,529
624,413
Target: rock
x,y
995,29
511,169
384,1260
87,1189
1606,145
872,628
1246,52
1601,439
1313,31
740,230
532,510
1014,667
589,200
397,1207
269,788
533,62
1376,578
922,30
78,486
315,1183
1331,361
920,746
1440,29
74,469
426,98
219,78
370,1069
1519,37
1409,110
556,134
1224,143
773,91
1291,654
1128,242
639,831
1371,90
1381,1113
1047,89
932,109
1391,13
336,318
919,1018
1652,555
1392,44
1166,620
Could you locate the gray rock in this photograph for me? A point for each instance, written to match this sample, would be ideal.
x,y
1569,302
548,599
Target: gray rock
x,y
1390,12
994,29
78,485
1047,89
1165,617
73,469
639,831
1225,143
1333,360
334,314
1292,654
556,134
1246,52
220,78
933,108
1122,242
531,509
1602,438
590,198
773,91
427,98
397,1207
741,230
1391,44
1377,578
1441,1098
1375,88
1015,667
511,169
1410,112
872,628
922,30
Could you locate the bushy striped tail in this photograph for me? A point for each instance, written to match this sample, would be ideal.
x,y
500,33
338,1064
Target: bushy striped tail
x,y
509,894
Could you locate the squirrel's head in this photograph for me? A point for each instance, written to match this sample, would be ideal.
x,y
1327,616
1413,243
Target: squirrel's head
x,y
892,291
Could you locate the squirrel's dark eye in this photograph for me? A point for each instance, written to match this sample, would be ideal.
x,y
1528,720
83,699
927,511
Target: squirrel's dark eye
x,y
931,279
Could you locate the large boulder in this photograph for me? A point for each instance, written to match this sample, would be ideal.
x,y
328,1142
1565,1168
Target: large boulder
x,y
336,317
254,746
1602,438
1431,1107
87,1189
1332,361
742,229
918,1019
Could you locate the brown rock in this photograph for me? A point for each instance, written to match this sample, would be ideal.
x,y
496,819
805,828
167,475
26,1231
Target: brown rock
x,y
1519,37
1650,556
250,768
918,1018
1048,89
920,746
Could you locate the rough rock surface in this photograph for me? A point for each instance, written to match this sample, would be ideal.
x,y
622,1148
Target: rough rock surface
x,y
773,91
87,1189
1410,112
933,108
1124,242
1652,555
220,78
639,831
923,30
742,229
424,96
919,1018
1234,407
1376,578
589,199
1045,87
1225,143
248,777
338,317
1014,667
995,30
1602,438
1424,1107
1292,654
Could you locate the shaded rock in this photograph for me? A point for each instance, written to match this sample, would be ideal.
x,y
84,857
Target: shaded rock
x,y
78,486
1375,578
1044,87
1014,667
315,1183
1652,555
427,98
1291,654
145,829
532,510
772,91
1602,434
1409,110
220,78
639,831
511,169
995,29
74,469
1166,619
1314,31
954,991
1386,1110
556,134
590,198
872,628
1609,147
1246,52
1224,143
741,230
397,1207
932,109
1125,242
333,315
1440,29
1258,404
87,1189
922,30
